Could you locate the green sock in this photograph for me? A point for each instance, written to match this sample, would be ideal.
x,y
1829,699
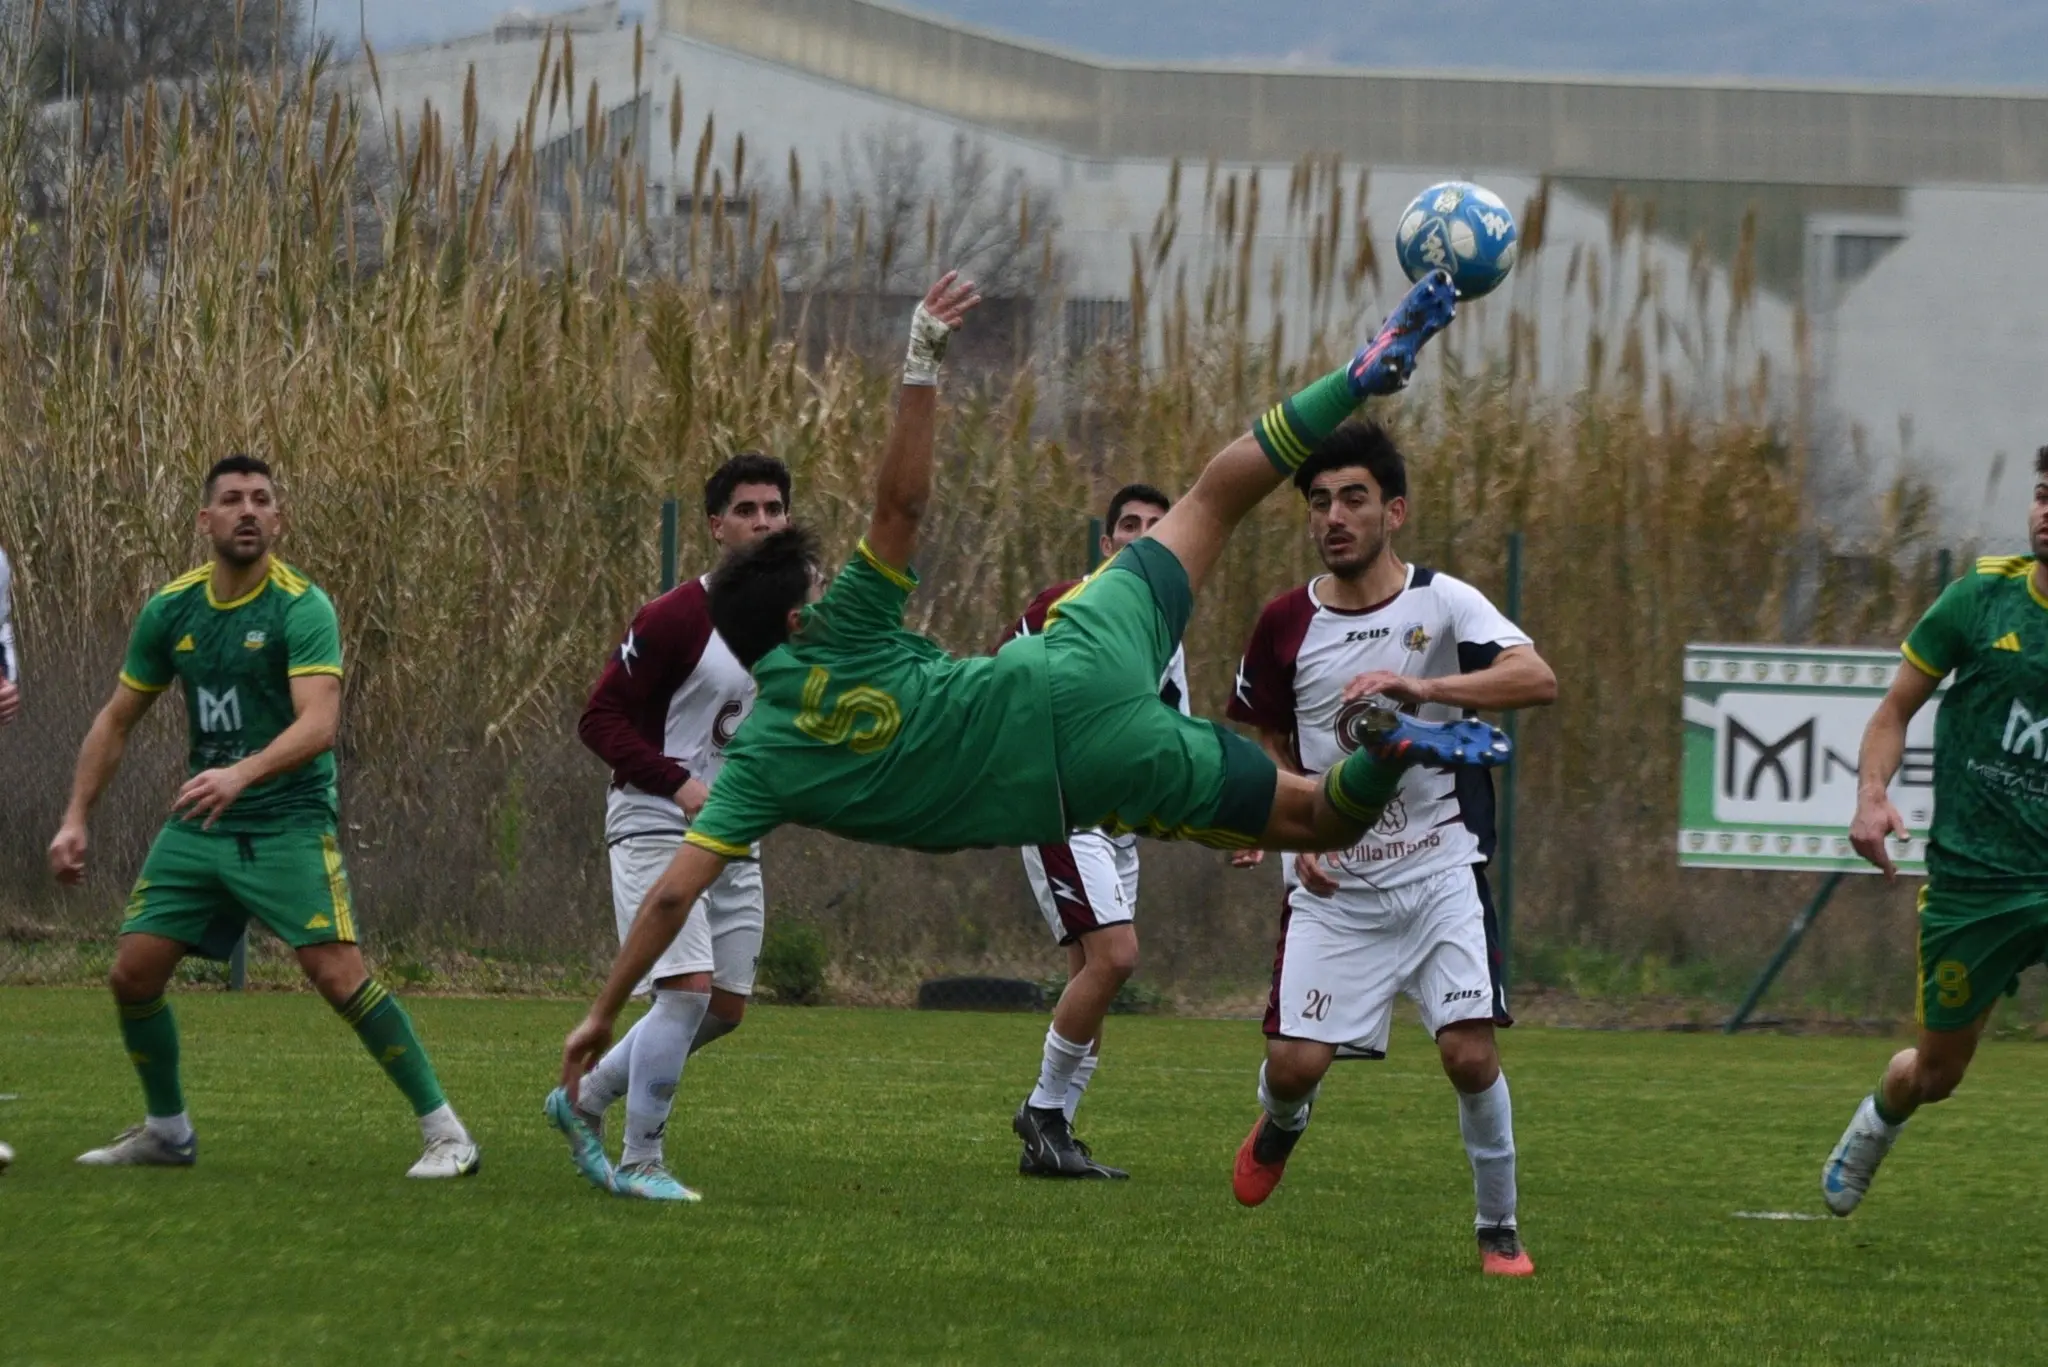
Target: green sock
x,y
1883,1112
386,1031
1289,430
151,1033
1360,786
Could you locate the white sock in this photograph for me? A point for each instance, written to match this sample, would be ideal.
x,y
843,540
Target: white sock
x,y
606,1083
441,1123
172,1129
1488,1123
661,1045
1288,1115
1056,1074
1079,1083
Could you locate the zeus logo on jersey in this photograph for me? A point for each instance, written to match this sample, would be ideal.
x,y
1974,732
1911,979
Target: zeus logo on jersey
x,y
2024,733
219,712
1375,634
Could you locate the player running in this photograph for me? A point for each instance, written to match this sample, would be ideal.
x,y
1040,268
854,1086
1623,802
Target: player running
x,y
865,730
252,831
1087,889
1984,907
1406,909
669,700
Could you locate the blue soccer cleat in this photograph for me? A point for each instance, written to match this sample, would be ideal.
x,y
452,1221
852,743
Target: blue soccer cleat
x,y
1387,361
650,1181
586,1150
1394,738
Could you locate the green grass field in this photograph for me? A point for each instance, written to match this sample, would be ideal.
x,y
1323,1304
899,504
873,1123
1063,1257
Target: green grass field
x,y
861,1204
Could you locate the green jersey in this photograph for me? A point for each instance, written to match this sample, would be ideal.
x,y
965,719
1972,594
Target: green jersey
x,y
1990,629
236,661
872,732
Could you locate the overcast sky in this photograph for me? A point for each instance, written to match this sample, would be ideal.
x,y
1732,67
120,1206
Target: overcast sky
x,y
1942,42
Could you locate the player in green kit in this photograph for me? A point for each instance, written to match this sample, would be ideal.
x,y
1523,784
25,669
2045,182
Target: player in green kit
x,y
1984,907
252,832
865,730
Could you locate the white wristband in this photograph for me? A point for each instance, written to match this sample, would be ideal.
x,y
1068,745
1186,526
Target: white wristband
x,y
928,338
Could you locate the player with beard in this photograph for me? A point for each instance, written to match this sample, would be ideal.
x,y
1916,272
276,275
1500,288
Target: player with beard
x,y
663,710
874,733
1984,908
1087,890
252,833
1406,909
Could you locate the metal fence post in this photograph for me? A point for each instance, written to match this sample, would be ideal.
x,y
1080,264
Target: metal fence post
x,y
1944,568
1093,558
669,549
238,964
1504,855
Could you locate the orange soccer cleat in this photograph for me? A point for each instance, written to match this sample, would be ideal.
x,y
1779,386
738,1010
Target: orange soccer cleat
x,y
1501,1253
1262,1161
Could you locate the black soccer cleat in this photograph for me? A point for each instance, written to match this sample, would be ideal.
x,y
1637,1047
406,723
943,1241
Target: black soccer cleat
x,y
1100,1172
1049,1147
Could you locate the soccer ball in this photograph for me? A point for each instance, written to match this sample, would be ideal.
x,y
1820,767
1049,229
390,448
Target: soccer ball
x,y
6,1157
1461,228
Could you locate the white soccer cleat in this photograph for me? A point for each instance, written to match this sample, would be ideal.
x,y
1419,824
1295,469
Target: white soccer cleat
x,y
138,1146
448,1156
1854,1162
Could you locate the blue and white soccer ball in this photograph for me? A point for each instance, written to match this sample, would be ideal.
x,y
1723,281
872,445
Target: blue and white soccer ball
x,y
1461,228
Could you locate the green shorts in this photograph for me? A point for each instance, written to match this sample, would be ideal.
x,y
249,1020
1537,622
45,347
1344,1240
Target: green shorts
x,y
1126,759
201,887
1973,947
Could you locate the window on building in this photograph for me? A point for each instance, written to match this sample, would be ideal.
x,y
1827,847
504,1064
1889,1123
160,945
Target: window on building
x,y
1856,253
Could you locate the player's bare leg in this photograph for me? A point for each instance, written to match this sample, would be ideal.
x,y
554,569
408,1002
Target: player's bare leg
x,y
1099,963
1288,1082
1929,1072
1244,472
1471,1060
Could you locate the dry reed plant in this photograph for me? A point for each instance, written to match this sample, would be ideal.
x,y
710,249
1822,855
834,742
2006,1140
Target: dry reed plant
x,y
478,383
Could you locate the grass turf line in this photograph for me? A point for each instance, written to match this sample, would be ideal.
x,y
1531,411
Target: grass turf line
x,y
861,1204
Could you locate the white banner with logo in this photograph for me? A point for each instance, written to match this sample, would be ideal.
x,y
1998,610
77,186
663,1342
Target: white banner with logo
x,y
1768,776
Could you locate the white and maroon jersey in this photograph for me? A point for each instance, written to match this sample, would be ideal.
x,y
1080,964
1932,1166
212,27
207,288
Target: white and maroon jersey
x,y
1303,652
1173,683
669,701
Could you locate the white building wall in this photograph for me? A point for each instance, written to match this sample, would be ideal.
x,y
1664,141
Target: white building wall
x,y
1946,338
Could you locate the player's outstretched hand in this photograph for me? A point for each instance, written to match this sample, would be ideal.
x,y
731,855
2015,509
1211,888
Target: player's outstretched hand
x,y
67,854
951,299
1875,823
1247,859
581,1051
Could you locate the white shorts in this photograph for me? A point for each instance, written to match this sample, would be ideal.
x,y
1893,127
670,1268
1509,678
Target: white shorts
x,y
722,935
1085,884
1342,960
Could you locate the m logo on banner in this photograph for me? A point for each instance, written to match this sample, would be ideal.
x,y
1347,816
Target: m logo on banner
x,y
1800,742
219,712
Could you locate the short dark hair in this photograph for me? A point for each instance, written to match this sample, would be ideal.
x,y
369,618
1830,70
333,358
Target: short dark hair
x,y
2041,461
748,467
753,589
1360,442
240,463
1132,493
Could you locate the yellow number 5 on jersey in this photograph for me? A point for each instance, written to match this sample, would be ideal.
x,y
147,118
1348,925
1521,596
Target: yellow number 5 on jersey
x,y
864,719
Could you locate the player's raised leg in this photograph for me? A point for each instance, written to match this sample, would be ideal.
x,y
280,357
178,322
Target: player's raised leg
x,y
1916,1077
1244,472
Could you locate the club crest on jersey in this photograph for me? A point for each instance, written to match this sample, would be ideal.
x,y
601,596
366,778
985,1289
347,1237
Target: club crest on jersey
x,y
1350,725
254,641
1414,638
1393,819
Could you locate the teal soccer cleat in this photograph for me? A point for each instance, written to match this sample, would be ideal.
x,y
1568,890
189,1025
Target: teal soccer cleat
x,y
586,1150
